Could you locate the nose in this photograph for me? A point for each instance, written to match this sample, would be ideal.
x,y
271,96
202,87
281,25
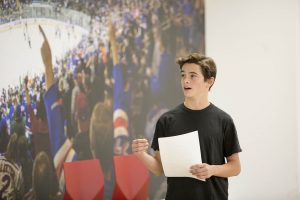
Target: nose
x,y
186,80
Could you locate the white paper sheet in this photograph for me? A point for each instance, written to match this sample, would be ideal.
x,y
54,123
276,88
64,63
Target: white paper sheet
x,y
179,153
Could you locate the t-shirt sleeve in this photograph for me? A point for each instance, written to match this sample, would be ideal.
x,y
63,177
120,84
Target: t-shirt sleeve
x,y
159,131
231,142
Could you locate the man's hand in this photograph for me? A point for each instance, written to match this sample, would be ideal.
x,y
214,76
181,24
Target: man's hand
x,y
202,171
47,60
153,163
45,49
139,146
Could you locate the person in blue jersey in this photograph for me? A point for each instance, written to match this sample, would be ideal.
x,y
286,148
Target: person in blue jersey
x,y
61,145
217,135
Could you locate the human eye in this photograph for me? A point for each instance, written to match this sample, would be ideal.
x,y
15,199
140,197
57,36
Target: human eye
x,y
193,76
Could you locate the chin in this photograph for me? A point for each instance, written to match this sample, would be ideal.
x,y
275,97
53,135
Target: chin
x,y
187,94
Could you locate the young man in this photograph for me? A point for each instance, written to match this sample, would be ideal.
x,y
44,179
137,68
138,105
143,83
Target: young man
x,y
217,136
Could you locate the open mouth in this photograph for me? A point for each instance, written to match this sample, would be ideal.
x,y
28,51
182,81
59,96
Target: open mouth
x,y
187,88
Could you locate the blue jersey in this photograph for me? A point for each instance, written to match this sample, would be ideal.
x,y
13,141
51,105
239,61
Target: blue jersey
x,y
54,116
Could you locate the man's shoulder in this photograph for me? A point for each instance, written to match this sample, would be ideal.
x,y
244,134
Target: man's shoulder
x,y
173,112
220,112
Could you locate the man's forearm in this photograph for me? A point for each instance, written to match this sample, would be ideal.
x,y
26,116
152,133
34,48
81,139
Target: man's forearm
x,y
49,75
151,163
229,169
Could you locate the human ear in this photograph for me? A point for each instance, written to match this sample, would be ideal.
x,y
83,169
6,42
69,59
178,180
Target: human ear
x,y
210,81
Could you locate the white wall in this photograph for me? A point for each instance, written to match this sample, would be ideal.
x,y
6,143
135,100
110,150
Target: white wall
x,y
255,44
298,92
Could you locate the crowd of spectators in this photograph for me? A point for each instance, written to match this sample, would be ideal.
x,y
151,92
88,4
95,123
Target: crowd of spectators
x,y
126,61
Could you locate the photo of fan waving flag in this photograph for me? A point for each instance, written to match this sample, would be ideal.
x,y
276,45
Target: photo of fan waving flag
x,y
61,146
120,54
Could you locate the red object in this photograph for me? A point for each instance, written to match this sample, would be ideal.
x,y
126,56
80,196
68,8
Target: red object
x,y
84,180
131,179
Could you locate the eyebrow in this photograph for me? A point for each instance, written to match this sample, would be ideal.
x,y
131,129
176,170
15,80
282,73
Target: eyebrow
x,y
182,71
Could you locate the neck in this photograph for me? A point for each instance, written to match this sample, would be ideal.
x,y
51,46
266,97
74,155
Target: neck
x,y
196,104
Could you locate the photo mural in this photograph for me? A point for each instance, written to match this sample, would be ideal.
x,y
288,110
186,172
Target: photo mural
x,y
108,74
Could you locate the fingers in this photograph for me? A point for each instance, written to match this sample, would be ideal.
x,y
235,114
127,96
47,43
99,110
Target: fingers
x,y
201,171
141,140
197,169
139,145
42,32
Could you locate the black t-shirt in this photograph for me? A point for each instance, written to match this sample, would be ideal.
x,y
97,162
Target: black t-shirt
x,y
218,139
